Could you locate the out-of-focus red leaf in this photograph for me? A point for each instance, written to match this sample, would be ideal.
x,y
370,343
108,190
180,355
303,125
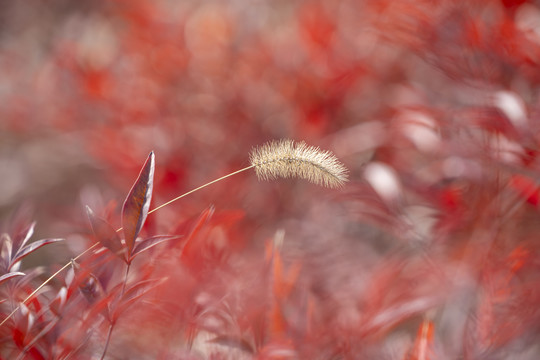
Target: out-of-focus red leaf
x,y
518,258
398,293
24,321
59,301
134,293
14,249
31,248
30,347
10,275
512,4
507,304
27,235
91,288
146,244
30,275
278,349
18,337
106,235
139,287
88,284
526,187
205,216
423,343
137,203
36,354
278,325
317,25
233,341
201,221
100,307
6,249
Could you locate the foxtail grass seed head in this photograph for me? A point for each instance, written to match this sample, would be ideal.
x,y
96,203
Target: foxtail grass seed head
x,y
285,158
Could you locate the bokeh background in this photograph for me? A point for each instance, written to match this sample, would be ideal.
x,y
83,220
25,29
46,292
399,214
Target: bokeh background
x,y
434,107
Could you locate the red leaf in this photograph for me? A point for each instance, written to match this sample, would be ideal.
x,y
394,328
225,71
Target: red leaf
x,y
18,337
57,304
10,275
134,293
91,288
23,324
233,341
6,250
36,354
27,234
137,203
31,248
422,349
526,187
201,221
106,235
146,244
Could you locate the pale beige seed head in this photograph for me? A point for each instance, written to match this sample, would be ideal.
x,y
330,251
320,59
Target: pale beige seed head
x,y
285,158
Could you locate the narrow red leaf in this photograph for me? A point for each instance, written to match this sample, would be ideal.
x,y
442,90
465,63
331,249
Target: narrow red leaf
x,y
57,304
23,324
28,232
202,220
526,187
106,235
10,275
18,337
146,244
27,250
421,349
233,341
134,293
137,203
36,354
6,250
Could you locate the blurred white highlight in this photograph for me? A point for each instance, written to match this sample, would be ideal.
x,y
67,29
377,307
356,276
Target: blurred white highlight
x,y
528,21
512,106
420,129
505,149
384,180
358,138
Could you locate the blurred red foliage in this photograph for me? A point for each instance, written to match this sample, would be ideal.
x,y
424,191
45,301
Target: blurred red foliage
x,y
429,253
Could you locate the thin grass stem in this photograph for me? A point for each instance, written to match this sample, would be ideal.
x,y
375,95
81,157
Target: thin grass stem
x,y
113,322
118,230
283,158
200,187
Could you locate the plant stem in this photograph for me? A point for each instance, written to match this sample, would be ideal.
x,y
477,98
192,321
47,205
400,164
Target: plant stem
x,y
45,283
125,280
200,187
109,333
113,321
120,229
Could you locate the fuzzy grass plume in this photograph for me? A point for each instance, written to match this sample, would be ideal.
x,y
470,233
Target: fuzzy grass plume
x,y
285,158
281,158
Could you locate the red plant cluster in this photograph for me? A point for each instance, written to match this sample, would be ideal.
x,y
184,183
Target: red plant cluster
x,y
430,252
